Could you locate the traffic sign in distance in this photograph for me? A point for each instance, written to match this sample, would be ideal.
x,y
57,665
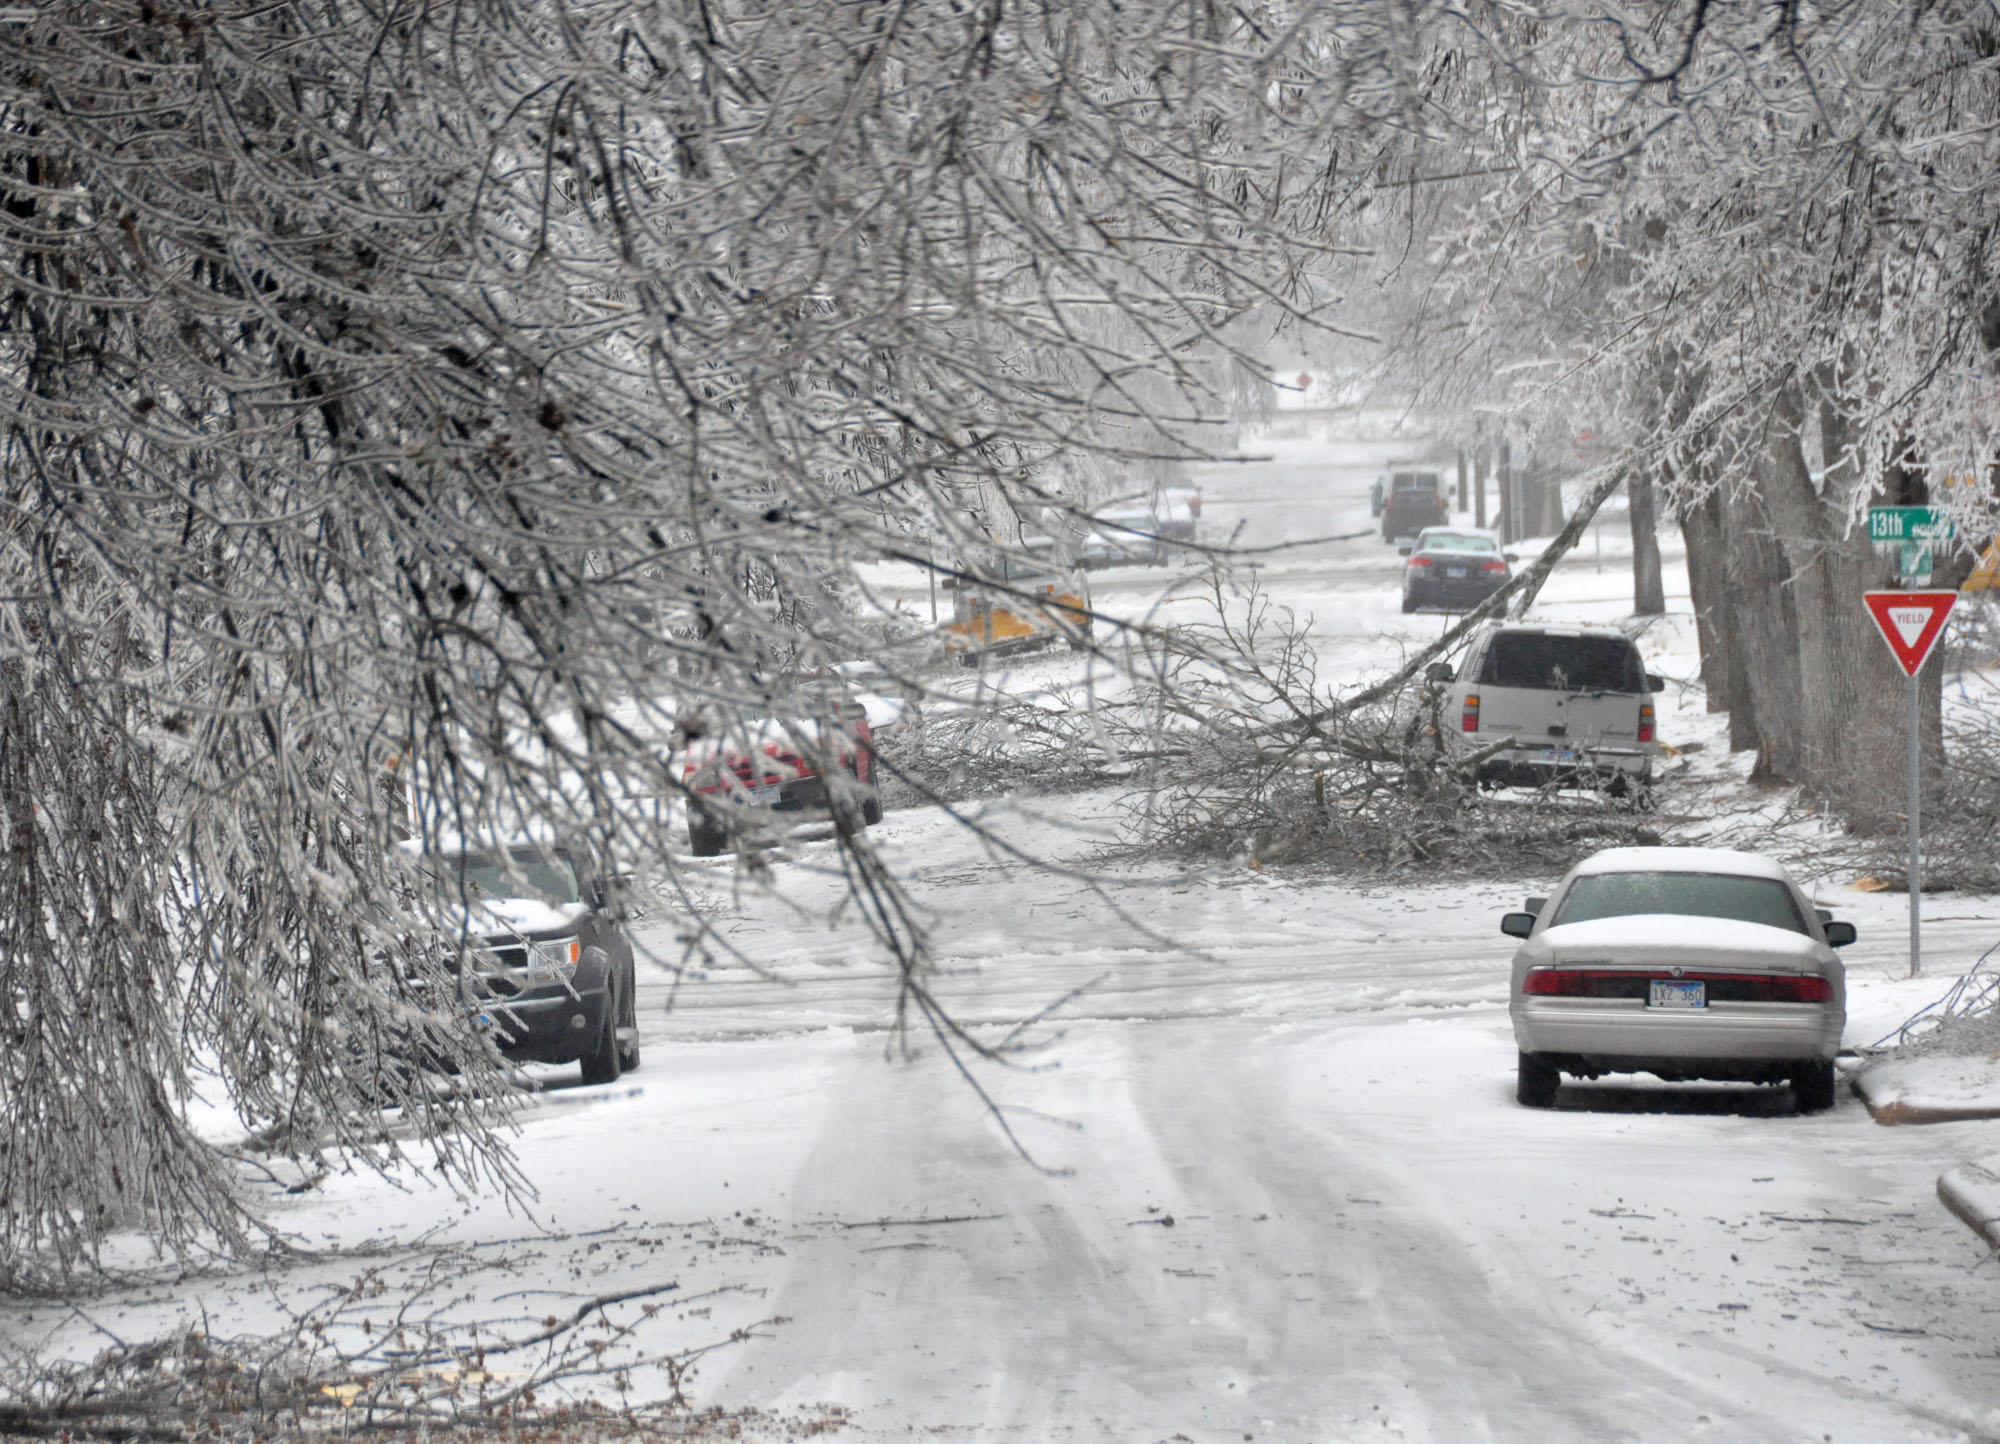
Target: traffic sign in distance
x,y
1910,623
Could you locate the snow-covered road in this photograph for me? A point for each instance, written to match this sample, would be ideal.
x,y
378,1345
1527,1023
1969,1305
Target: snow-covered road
x,y
1275,1184
1298,1231
1368,1238
1280,1188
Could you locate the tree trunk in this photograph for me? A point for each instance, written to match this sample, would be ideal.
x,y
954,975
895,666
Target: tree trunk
x,y
1480,466
1461,478
1849,722
1763,633
1721,665
1649,596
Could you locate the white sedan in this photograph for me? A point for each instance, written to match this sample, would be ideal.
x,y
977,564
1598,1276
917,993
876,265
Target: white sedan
x,y
1682,962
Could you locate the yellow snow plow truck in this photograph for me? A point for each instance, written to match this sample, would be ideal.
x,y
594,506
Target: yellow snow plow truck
x,y
1018,606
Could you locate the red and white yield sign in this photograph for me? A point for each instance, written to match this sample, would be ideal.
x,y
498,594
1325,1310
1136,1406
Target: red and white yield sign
x,y
1910,623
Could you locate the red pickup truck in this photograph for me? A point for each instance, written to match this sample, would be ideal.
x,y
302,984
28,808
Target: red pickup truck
x,y
765,771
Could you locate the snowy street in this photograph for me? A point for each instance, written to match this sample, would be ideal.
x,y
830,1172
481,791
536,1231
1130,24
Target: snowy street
x,y
1283,1188
1279,1188
1365,1228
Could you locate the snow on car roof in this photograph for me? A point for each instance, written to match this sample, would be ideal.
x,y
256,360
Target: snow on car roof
x,y
1681,859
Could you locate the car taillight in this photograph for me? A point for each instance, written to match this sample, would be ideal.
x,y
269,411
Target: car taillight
x,y
1799,990
1558,983
1468,720
1493,566
1645,721
1420,561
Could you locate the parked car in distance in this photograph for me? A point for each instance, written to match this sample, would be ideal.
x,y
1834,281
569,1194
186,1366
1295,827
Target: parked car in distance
x,y
1555,706
1454,569
547,966
1415,500
1142,530
816,761
1681,962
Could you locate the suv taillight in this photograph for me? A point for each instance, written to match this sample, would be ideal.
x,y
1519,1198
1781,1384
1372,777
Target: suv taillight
x,y
1645,721
1468,720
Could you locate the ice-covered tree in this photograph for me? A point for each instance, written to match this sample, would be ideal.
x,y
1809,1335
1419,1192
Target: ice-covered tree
x,y
412,413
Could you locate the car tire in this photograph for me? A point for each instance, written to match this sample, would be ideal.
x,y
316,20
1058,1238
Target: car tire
x,y
1535,1081
871,808
705,838
628,1053
600,1064
1409,605
1813,1086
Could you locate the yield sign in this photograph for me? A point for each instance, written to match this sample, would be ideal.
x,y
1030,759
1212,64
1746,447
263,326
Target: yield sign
x,y
1910,622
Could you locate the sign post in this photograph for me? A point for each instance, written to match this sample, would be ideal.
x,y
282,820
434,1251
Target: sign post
x,y
1911,622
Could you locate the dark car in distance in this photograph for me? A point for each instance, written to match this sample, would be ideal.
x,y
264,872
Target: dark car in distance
x,y
546,966
1414,500
1455,570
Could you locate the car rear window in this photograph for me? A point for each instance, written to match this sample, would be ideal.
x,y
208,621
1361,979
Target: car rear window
x,y
1425,481
1452,543
1555,663
1680,894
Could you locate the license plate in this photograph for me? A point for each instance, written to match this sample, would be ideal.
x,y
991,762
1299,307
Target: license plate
x,y
1665,993
764,794
1563,755
1454,571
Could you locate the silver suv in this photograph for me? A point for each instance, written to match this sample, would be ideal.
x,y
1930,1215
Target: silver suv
x,y
1556,705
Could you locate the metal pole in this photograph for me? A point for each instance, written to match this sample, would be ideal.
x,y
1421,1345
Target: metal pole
x,y
1916,873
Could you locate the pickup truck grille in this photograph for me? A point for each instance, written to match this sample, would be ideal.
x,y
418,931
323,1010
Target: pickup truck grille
x,y
498,972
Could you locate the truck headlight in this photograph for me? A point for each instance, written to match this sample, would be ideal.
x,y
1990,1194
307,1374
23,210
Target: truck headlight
x,y
557,956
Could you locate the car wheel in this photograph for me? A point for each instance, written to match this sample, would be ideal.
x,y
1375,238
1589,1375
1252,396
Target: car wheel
x,y
628,1053
1535,1081
871,808
705,838
1409,605
1813,1086
600,1064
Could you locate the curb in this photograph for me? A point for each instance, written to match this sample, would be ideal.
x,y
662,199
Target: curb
x,y
1971,1192
1892,1111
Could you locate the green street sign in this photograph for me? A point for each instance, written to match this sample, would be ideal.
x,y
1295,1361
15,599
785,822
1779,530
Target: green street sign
x,y
1913,563
1908,524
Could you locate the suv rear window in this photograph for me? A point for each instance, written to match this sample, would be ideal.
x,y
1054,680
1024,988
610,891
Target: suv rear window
x,y
1680,894
1554,663
1417,481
